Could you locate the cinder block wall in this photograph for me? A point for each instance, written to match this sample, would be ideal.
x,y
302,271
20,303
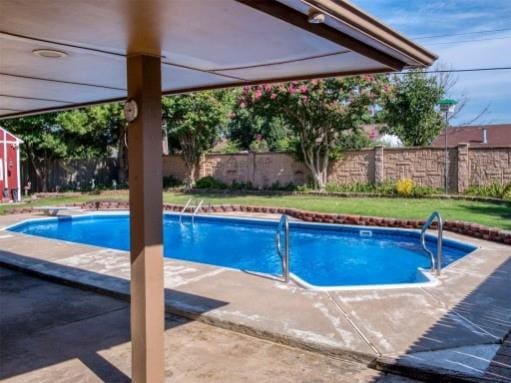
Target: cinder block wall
x,y
467,166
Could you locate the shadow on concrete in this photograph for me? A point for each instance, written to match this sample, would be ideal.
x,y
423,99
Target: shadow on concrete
x,y
43,324
483,356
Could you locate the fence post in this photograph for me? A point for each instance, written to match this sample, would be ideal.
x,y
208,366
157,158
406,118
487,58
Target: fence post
x,y
378,165
463,167
251,167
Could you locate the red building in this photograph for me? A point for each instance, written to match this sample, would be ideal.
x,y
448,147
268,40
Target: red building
x,y
10,182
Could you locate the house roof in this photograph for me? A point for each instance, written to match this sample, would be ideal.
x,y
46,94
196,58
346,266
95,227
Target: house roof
x,y
496,135
19,140
203,45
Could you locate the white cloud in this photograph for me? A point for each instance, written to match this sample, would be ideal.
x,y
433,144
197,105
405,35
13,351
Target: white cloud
x,y
418,18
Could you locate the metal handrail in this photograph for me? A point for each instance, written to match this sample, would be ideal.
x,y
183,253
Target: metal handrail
x,y
436,265
196,210
184,209
284,255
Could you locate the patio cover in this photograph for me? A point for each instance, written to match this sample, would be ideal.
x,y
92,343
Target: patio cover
x,y
204,44
108,50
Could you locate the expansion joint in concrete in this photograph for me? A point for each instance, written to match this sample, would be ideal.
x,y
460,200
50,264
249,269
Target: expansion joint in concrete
x,y
355,327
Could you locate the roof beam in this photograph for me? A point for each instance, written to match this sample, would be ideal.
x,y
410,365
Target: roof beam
x,y
35,99
298,19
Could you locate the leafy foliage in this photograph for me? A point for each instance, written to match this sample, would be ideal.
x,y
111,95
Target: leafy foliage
x,y
321,114
259,145
386,187
80,133
210,182
170,182
194,123
409,108
494,190
249,124
399,188
404,187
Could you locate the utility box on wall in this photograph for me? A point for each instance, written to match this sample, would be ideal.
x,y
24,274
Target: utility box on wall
x,y
10,180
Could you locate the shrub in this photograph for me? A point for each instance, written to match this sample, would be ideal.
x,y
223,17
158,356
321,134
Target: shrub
x,y
241,185
421,191
210,182
405,187
360,187
356,187
277,186
494,190
228,147
171,181
259,145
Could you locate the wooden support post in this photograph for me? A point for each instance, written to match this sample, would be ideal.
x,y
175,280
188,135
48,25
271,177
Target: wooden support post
x,y
146,204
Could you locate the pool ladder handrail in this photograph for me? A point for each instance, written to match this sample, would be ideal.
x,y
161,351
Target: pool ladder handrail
x,y
283,254
199,205
184,209
436,265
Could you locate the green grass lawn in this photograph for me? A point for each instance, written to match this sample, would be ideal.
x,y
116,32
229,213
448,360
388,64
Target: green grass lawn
x,y
485,213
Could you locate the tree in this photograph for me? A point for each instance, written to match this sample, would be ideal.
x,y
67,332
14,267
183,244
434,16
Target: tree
x,y
41,142
248,127
322,114
194,123
110,119
75,134
409,108
53,136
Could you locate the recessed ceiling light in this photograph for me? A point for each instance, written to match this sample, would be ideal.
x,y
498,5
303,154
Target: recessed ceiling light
x,y
49,53
316,17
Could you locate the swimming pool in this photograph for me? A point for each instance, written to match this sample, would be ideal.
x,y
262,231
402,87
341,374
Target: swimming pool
x,y
321,255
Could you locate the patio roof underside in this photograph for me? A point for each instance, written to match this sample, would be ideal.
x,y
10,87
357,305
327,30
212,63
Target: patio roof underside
x,y
203,44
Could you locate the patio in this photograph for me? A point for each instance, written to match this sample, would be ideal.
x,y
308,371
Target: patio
x,y
71,335
455,328
60,55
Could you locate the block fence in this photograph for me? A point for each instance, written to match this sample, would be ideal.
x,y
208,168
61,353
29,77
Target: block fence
x,y
466,166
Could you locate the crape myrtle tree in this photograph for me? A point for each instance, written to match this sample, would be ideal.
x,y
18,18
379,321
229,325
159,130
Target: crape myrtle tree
x,y
409,108
194,123
321,114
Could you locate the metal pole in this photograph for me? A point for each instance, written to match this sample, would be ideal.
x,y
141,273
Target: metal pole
x,y
446,155
286,251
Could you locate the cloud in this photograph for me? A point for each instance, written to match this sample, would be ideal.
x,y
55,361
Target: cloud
x,y
418,18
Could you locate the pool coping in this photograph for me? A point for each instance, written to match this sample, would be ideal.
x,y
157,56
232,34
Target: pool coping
x,y
431,279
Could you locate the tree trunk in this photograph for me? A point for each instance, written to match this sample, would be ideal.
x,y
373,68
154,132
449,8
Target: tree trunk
x,y
44,181
190,157
317,164
190,177
41,178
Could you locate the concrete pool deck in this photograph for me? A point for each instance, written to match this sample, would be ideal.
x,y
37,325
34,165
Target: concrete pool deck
x,y
458,326
71,335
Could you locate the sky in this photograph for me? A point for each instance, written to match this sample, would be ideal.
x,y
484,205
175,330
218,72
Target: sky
x,y
418,19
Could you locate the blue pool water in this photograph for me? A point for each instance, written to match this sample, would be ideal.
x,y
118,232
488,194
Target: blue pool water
x,y
321,255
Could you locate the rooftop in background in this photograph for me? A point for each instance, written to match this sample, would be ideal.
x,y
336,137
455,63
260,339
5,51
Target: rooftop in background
x,y
59,55
476,135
